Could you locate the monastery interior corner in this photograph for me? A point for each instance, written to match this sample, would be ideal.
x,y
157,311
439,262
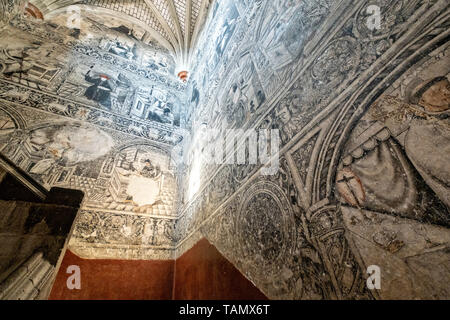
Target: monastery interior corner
x,y
224,150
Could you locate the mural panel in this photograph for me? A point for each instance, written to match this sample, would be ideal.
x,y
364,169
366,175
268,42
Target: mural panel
x,y
103,73
355,108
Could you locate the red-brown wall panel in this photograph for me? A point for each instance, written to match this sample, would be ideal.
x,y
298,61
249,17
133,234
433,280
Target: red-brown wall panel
x,y
202,273
115,280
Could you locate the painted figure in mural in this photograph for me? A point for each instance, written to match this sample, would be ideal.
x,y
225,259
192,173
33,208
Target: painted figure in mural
x,y
252,92
245,95
195,99
150,171
406,173
163,62
232,98
427,142
288,125
64,146
161,112
433,95
100,90
226,33
281,34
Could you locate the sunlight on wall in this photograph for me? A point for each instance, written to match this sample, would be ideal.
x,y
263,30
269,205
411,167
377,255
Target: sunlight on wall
x,y
194,177
197,159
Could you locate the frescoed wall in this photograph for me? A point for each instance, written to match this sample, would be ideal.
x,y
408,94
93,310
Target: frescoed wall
x,y
363,122
85,115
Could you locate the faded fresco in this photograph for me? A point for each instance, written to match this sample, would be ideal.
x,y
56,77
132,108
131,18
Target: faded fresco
x,y
363,166
98,114
363,120
393,180
119,174
104,73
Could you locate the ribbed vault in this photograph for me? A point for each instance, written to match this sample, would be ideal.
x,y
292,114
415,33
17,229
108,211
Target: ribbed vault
x,y
173,24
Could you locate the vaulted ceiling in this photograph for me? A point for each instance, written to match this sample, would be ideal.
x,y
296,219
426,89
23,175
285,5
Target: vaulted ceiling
x,y
174,24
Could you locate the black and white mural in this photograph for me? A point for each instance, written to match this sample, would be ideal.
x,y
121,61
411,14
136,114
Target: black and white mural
x,y
363,120
362,114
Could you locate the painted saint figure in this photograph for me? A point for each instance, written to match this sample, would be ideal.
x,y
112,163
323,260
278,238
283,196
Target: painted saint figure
x,y
427,142
100,90
161,112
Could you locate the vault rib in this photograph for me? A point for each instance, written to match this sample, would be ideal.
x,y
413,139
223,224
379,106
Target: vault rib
x,y
165,25
173,14
187,38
